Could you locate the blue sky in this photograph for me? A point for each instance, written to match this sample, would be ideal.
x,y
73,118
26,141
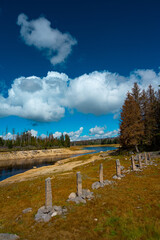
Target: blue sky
x,y
66,65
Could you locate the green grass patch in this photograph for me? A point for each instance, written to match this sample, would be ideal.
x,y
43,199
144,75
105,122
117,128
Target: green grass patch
x,y
128,210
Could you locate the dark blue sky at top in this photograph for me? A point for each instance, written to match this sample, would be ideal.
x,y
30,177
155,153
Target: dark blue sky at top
x,y
115,35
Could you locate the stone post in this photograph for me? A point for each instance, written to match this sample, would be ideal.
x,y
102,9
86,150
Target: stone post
x,y
149,157
101,173
48,194
118,168
133,163
140,161
145,158
79,184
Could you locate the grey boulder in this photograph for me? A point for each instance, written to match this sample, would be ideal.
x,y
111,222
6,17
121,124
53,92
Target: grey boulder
x,y
86,194
7,236
97,185
27,210
45,214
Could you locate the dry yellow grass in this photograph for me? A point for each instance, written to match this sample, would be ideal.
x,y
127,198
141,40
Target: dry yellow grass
x,y
128,210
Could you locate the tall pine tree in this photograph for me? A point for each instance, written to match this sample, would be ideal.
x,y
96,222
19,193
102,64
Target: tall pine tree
x,y
140,118
158,117
131,124
67,141
136,93
150,120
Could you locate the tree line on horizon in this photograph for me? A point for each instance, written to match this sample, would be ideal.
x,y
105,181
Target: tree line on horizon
x,y
140,119
101,141
25,140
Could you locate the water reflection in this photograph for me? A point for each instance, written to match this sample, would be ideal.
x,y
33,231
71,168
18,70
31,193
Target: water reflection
x,y
22,165
99,149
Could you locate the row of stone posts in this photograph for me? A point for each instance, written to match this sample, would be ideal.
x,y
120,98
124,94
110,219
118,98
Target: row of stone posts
x,y
46,212
146,159
48,190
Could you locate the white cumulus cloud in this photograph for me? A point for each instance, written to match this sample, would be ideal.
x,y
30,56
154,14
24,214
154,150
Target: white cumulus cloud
x,y
45,99
74,135
39,99
39,33
33,132
98,134
11,136
8,136
57,134
104,92
97,130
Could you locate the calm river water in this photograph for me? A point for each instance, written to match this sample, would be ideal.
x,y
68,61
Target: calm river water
x,y
7,172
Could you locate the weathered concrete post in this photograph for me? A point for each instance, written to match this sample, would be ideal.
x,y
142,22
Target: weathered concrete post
x,y
145,158
140,161
48,193
118,168
79,184
101,173
133,163
149,157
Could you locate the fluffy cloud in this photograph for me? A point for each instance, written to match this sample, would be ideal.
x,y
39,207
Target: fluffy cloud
x,y
10,136
113,133
104,92
33,132
97,130
35,98
73,135
57,134
39,33
98,134
94,133
45,99
7,136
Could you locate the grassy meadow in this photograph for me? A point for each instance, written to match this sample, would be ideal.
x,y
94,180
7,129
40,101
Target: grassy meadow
x,y
127,210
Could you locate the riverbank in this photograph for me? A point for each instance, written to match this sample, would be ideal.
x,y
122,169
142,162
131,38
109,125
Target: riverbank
x,y
33,154
60,166
18,166
33,157
48,152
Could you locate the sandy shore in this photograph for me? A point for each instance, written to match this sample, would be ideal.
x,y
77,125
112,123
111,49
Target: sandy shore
x,y
32,154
